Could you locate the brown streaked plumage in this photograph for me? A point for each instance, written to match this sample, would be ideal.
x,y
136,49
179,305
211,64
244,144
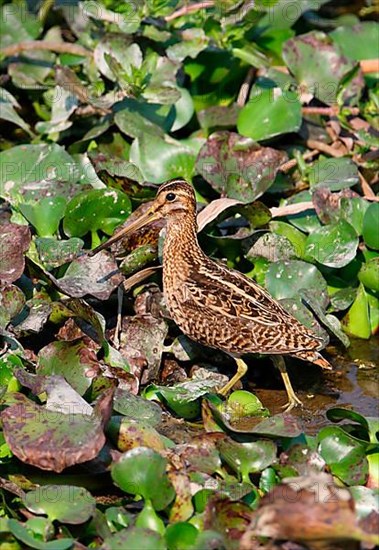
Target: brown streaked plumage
x,y
215,305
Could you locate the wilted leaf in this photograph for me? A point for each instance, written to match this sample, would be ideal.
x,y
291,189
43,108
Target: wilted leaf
x,y
31,172
306,509
72,360
228,518
97,276
12,300
319,66
15,240
35,434
236,167
54,253
127,434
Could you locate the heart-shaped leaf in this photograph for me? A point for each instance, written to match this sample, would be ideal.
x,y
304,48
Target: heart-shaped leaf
x,y
270,113
142,471
65,503
333,245
45,215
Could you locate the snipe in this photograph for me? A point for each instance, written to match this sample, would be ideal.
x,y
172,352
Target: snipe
x,y
217,306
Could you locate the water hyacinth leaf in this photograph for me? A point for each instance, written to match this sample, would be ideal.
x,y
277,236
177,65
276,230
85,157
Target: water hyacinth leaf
x,y
134,537
15,240
333,173
357,41
301,312
296,237
181,536
357,320
270,113
272,247
370,229
369,274
12,301
333,245
177,158
135,407
153,118
127,434
307,220
286,278
96,209
236,167
345,457
149,519
142,471
8,106
73,360
64,103
54,253
369,424
318,65
194,42
21,533
16,28
34,434
366,501
45,215
353,211
119,47
97,276
247,458
184,110
183,398
343,298
65,503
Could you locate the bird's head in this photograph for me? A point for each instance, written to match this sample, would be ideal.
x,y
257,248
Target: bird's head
x,y
174,199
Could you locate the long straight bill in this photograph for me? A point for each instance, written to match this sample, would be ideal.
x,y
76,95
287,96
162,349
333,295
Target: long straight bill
x,y
143,220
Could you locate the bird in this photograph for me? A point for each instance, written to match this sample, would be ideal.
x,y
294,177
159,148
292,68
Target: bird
x,y
217,306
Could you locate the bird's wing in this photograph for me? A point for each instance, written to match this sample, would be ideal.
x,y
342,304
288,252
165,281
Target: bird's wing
x,y
231,294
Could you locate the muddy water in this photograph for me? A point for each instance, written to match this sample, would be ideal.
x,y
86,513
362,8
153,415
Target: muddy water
x,y
354,383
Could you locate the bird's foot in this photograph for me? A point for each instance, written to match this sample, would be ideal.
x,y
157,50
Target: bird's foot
x,y
293,402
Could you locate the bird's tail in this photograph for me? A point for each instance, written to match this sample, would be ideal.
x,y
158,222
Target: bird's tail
x,y
313,357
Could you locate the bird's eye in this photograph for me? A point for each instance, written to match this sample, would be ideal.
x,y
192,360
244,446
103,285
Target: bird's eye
x,y
170,197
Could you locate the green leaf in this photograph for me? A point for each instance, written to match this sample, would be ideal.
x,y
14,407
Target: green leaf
x,y
307,220
181,536
53,253
286,279
358,41
246,458
357,320
353,211
8,106
176,158
369,274
149,519
21,533
134,537
334,173
182,398
345,457
370,230
333,245
142,471
45,215
96,209
270,113
65,503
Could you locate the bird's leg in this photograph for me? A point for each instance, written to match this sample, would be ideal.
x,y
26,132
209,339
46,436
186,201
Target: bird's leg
x,y
293,400
241,371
